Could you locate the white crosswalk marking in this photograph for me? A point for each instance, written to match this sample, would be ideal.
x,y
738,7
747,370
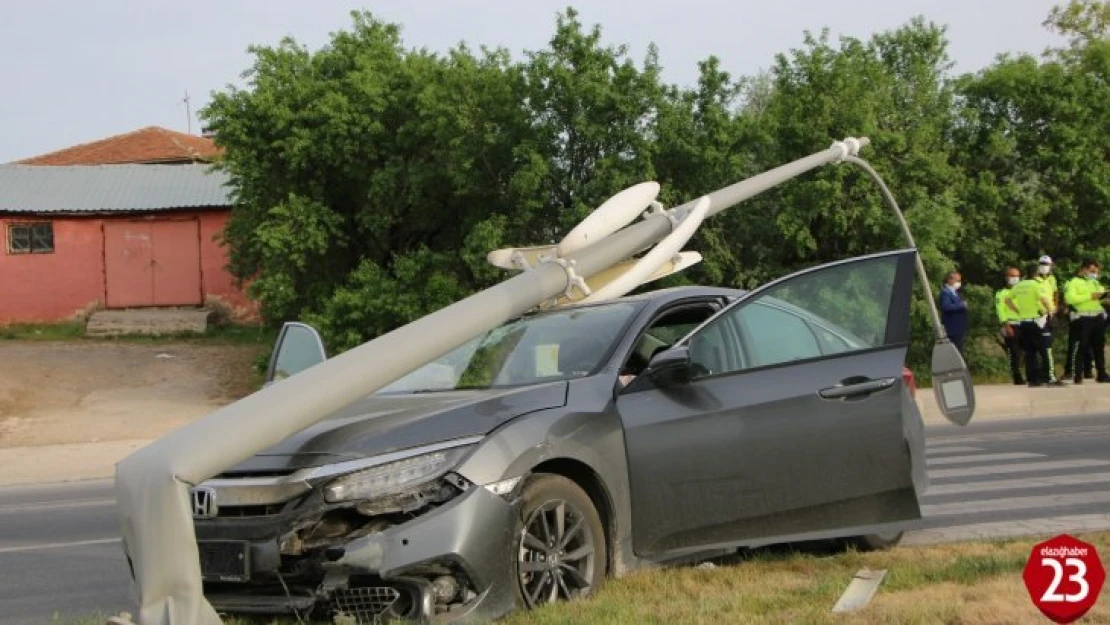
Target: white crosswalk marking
x,y
982,458
1015,503
936,451
1019,484
1024,467
988,486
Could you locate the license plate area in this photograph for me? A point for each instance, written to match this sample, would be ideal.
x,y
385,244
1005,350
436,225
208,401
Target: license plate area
x,y
225,560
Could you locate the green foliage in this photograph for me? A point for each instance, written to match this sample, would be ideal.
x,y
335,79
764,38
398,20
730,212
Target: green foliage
x,y
1083,21
371,179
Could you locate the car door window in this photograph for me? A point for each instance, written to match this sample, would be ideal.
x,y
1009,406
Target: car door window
x,y
298,348
714,350
837,310
776,335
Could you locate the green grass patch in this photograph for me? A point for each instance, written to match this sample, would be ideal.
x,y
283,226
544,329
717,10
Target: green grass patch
x,y
43,331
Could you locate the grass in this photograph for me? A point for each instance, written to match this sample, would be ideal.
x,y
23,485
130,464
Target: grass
x,y
43,331
966,583
234,334
969,583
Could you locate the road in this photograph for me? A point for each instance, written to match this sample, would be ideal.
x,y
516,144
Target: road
x,y
59,553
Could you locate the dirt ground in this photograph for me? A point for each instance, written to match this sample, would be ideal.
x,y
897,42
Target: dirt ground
x,y
55,392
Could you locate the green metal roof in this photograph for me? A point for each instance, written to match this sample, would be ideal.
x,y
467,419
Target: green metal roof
x,y
111,188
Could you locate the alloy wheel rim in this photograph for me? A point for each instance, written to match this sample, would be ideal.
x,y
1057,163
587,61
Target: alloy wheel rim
x,y
556,555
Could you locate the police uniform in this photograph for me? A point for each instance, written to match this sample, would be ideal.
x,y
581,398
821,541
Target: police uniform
x,y
1026,297
1048,290
1078,362
1090,326
1011,332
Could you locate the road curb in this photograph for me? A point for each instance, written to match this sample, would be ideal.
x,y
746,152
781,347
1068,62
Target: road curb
x,y
995,402
71,462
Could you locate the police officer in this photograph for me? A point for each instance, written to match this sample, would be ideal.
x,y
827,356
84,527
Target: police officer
x,y
1010,323
1047,282
1085,295
1078,363
1027,300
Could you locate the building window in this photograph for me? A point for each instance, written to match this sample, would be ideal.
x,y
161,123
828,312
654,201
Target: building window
x,y
36,238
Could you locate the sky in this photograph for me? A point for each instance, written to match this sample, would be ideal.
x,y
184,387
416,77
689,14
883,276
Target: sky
x,y
78,71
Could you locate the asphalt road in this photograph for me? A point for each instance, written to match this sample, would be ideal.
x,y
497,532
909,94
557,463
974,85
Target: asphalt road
x,y
59,555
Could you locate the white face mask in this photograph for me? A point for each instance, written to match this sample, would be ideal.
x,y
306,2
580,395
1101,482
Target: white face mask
x,y
1044,270
1012,280
1093,275
956,285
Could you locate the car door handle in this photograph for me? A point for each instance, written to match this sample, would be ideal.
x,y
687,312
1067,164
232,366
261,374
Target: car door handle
x,y
856,387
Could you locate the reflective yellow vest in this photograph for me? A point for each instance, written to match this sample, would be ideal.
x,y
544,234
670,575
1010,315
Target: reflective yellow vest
x,y
1048,290
1027,295
1078,291
1005,315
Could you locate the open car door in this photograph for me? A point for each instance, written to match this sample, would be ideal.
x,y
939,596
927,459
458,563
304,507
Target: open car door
x,y
297,348
780,418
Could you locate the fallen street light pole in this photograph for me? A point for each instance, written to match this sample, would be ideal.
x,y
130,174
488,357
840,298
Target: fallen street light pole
x,y
952,385
152,484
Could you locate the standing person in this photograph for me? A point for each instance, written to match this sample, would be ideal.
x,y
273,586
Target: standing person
x,y
1028,302
1010,323
1047,282
1078,362
1085,294
954,309
1098,337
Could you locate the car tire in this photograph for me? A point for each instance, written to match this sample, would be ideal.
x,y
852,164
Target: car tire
x,y
877,542
553,563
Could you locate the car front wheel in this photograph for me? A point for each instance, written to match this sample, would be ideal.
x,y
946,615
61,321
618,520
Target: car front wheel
x,y
561,550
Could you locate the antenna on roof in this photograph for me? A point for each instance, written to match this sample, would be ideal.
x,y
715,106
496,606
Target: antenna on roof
x,y
188,113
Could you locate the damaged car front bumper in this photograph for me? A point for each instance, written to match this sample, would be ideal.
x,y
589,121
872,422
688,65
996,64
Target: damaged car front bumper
x,y
445,558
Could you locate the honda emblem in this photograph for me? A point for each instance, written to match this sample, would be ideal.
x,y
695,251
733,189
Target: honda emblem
x,y
204,503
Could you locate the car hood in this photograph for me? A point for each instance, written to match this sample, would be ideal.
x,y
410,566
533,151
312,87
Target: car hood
x,y
381,424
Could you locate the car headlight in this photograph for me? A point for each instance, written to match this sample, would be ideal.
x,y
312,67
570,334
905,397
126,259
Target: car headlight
x,y
393,477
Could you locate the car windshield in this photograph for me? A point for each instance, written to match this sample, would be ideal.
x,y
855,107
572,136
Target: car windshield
x,y
557,345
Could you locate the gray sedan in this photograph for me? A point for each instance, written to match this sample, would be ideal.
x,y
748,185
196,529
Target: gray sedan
x,y
580,442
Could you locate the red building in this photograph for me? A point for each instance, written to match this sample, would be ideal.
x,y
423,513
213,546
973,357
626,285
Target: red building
x,y
80,236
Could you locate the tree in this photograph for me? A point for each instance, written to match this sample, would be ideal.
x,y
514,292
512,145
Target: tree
x,y
1032,137
363,168
703,142
590,108
1085,22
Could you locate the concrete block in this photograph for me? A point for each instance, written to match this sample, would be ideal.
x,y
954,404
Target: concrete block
x,y
149,321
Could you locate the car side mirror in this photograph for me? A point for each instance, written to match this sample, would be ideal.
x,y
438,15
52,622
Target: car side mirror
x,y
670,367
952,385
297,348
